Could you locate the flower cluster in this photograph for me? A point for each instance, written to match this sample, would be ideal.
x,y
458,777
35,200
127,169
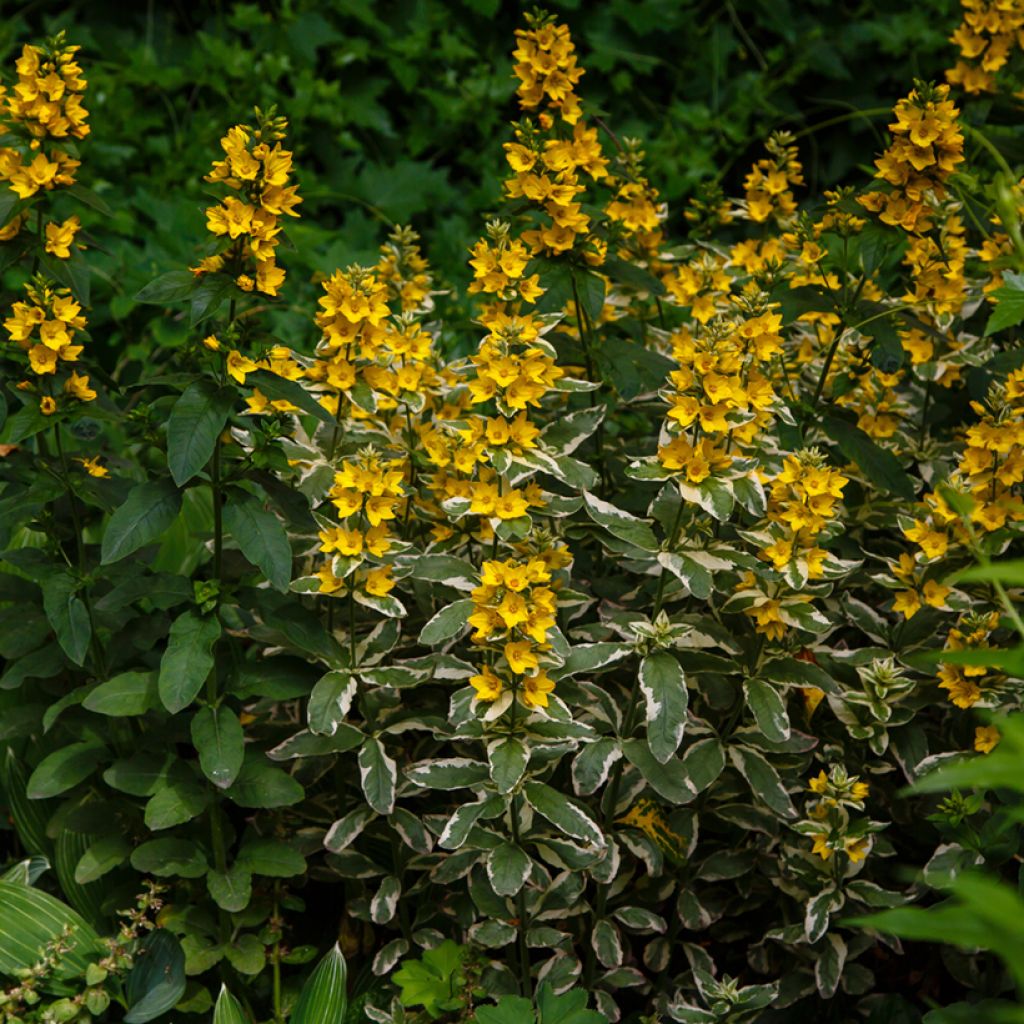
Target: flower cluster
x,y
829,824
513,609
44,105
926,147
771,180
545,64
367,491
986,37
968,684
247,224
45,327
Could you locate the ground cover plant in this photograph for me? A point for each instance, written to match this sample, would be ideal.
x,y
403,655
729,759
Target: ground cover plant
x,y
588,661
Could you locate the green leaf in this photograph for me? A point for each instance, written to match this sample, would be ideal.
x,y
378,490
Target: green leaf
x,y
769,709
620,524
508,758
1009,309
261,538
208,296
188,659
67,613
179,800
764,780
703,762
668,780
281,389
220,742
168,856
432,981
174,286
228,1010
130,693
64,768
273,858
448,622
261,784
231,890
323,999
881,467
563,813
149,509
101,858
30,919
196,422
378,775
508,867
329,701
157,979
448,773
663,686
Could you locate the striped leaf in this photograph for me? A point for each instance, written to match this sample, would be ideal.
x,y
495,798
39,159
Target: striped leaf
x,y
324,997
29,816
29,919
228,1010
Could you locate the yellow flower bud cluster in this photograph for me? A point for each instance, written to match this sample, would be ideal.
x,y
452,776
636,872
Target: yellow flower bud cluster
x,y
545,64
989,33
45,104
45,329
256,167
513,609
833,795
405,271
771,180
926,147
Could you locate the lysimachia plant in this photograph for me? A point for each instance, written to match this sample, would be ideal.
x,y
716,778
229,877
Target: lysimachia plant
x,y
593,657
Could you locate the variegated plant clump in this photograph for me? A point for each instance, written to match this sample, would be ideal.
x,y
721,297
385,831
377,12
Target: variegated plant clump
x,y
590,649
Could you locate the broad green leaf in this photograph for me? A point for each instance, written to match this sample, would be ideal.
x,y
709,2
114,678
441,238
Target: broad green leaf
x,y
1009,309
508,758
330,701
261,538
68,615
563,813
703,762
228,1010
448,773
188,659
668,780
130,693
272,858
220,742
196,422
174,286
378,775
448,622
508,867
157,979
663,686
179,800
149,509
769,709
262,784
881,467
169,856
101,858
64,768
620,524
280,389
30,919
231,890
323,999
587,658
764,780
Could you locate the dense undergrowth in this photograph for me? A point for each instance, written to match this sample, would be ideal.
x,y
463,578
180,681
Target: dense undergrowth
x,y
588,662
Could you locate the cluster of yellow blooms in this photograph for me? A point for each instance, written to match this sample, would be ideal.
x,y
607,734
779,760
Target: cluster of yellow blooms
x,y
967,684
926,147
545,64
833,795
257,167
366,492
719,391
801,502
45,104
991,29
44,328
403,268
513,608
771,180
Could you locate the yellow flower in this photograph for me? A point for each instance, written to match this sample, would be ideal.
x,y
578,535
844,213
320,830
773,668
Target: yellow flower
x,y
60,237
907,602
42,359
536,689
238,366
488,686
379,581
77,385
986,738
47,405
93,467
935,594
521,657
211,342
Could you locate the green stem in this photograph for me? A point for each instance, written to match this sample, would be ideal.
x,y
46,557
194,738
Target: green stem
x,y
522,911
352,628
583,325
